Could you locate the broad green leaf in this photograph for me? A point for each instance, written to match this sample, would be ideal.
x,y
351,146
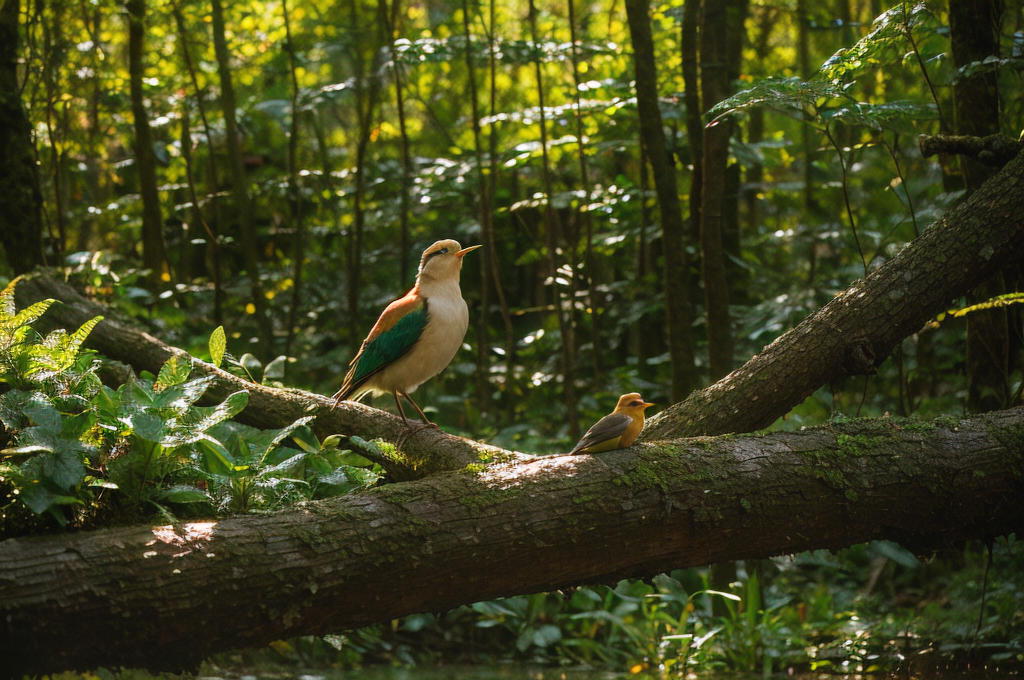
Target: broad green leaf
x,y
63,469
217,458
261,452
275,369
306,440
218,344
184,395
227,409
293,467
174,372
45,417
148,426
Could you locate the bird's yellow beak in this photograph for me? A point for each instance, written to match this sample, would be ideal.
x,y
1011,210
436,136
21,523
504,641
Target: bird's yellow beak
x,y
647,405
463,252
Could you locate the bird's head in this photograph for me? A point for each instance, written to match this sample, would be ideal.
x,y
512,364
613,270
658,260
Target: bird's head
x,y
632,404
443,260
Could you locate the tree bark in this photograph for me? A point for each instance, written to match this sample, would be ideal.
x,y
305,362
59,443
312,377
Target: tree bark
x,y
974,36
714,88
677,265
154,254
165,597
689,37
21,220
239,181
856,331
564,313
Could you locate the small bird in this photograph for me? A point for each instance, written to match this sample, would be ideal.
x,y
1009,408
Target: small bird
x,y
416,336
618,429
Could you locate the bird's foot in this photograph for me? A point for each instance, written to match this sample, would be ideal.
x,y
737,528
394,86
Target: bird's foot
x,y
412,430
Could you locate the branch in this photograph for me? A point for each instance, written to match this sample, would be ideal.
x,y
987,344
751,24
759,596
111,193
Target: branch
x,y
855,332
428,451
993,150
166,597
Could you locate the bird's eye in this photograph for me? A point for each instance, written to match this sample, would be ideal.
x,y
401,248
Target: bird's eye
x,y
637,403
443,251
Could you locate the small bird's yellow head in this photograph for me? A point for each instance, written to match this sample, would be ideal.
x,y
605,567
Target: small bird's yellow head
x,y
632,404
443,260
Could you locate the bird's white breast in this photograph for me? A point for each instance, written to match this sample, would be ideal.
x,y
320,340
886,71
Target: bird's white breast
x,y
447,322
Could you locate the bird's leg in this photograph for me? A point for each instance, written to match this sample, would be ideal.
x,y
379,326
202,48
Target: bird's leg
x,y
426,420
401,411
404,437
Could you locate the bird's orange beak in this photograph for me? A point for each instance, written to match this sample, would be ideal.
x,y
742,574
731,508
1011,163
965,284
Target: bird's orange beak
x,y
647,405
462,253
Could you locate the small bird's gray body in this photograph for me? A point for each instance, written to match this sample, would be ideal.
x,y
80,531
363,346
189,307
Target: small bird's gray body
x,y
606,431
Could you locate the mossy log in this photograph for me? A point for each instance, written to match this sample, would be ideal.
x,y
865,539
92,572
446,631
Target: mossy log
x,y
164,597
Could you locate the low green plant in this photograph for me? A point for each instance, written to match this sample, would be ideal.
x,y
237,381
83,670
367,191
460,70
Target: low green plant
x,y
72,445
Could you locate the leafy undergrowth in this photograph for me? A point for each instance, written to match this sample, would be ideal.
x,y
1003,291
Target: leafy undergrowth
x,y
74,451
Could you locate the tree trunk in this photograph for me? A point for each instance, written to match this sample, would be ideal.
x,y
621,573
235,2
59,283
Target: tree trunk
x,y
714,88
165,597
239,181
483,384
690,40
974,36
856,331
21,220
154,254
565,316
677,266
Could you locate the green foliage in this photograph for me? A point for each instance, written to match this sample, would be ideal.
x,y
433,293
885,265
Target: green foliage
x,y
73,444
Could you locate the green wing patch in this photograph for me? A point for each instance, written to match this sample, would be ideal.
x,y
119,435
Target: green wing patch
x,y
389,346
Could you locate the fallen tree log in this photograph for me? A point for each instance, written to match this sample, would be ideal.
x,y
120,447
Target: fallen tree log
x,y
855,332
165,597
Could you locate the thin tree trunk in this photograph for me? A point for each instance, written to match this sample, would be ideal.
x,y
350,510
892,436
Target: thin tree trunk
x,y
974,37
588,219
694,111
715,88
55,57
677,296
390,18
565,321
492,192
239,181
807,142
213,239
366,91
154,253
483,390
21,220
755,128
294,191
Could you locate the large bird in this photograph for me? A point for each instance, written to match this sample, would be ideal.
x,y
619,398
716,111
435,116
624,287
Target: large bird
x,y
618,429
417,335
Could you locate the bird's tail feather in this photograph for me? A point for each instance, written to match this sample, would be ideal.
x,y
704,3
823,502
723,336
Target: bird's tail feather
x,y
342,395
